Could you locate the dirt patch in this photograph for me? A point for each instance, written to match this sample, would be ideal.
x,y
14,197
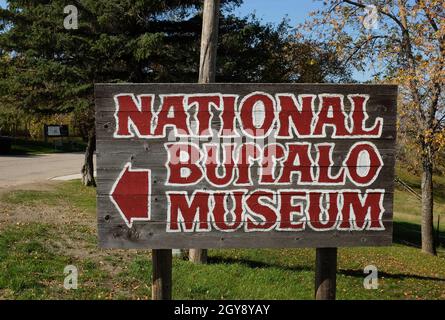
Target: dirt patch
x,y
46,185
76,246
73,230
61,214
55,215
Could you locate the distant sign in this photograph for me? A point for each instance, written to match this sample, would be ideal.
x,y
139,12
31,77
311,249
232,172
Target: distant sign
x,y
245,165
56,130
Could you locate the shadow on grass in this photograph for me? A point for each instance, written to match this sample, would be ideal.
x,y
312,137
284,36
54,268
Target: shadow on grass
x,y
347,272
18,154
255,264
382,274
22,147
409,234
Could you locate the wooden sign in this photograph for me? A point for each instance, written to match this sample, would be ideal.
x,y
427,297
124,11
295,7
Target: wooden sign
x,y
245,165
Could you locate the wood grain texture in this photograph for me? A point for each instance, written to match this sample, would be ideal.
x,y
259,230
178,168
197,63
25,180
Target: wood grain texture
x,y
161,288
325,273
113,154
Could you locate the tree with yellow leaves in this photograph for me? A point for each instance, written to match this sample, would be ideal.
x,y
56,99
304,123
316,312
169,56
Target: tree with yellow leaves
x,y
403,41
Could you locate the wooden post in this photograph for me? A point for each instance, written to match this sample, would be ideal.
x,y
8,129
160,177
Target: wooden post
x,y
161,288
325,273
207,72
209,41
198,255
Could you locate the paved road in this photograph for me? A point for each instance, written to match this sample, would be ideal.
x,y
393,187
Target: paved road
x,y
17,170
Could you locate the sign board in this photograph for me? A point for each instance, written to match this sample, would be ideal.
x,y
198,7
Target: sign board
x,y
245,165
56,130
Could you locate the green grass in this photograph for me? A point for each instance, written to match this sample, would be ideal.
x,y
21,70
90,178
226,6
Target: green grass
x,y
31,268
30,147
407,208
34,254
414,182
71,192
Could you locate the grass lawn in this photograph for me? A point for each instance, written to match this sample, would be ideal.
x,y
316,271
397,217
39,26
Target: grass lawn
x,y
407,208
43,231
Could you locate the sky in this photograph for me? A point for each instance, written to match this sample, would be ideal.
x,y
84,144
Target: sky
x,y
269,10
297,11
273,11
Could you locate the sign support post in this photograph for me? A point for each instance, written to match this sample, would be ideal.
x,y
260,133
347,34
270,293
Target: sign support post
x,y
207,71
325,273
162,274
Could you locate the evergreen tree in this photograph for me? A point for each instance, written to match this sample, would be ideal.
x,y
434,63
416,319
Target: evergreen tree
x,y
51,69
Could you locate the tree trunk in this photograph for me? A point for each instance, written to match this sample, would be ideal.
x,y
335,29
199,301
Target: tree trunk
x,y
427,207
88,166
207,72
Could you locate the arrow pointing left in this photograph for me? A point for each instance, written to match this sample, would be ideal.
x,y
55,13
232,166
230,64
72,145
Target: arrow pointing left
x,y
131,194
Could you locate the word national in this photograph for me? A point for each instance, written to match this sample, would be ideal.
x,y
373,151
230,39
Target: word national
x,y
255,115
